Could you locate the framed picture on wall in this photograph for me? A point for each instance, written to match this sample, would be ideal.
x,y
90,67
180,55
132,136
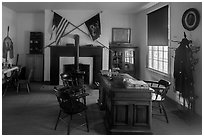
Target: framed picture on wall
x,y
121,35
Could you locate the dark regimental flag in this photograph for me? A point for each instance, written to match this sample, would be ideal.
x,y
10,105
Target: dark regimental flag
x,y
59,24
94,27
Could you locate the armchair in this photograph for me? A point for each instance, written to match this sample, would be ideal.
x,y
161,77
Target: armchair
x,y
161,88
70,105
74,83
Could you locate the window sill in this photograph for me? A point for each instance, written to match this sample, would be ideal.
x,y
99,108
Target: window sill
x,y
158,72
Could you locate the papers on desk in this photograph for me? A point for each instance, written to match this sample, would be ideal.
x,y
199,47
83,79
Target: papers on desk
x,y
138,84
108,73
8,71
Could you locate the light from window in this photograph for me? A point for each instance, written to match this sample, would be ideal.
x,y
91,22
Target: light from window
x,y
158,58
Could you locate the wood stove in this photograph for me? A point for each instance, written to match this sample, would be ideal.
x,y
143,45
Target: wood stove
x,y
68,51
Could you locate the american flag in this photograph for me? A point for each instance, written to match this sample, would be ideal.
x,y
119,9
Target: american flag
x,y
59,24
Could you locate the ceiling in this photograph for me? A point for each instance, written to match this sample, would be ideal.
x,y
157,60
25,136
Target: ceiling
x,y
122,7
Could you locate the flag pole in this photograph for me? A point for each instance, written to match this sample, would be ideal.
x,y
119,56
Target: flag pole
x,y
89,36
77,27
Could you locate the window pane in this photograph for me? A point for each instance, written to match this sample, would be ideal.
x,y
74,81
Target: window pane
x,y
160,55
150,52
155,55
165,48
154,48
150,63
160,48
165,55
160,66
155,63
165,67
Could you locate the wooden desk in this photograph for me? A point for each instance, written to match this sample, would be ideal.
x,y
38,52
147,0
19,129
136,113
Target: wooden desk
x,y
127,110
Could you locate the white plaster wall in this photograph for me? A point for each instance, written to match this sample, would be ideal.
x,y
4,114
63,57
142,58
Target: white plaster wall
x,y
196,36
26,23
9,19
176,33
108,21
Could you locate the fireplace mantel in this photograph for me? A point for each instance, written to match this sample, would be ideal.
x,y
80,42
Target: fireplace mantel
x,y
69,51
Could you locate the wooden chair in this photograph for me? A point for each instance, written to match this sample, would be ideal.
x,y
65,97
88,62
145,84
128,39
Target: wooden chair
x,y
161,88
69,104
75,82
25,81
67,79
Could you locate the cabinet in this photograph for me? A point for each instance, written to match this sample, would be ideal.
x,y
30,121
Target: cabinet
x,y
125,57
36,42
35,62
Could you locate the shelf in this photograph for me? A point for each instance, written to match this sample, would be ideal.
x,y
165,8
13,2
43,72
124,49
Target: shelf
x,y
126,58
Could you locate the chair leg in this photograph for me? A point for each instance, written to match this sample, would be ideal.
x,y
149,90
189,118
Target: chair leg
x,y
160,107
6,88
28,87
69,123
86,118
18,86
57,120
165,114
85,100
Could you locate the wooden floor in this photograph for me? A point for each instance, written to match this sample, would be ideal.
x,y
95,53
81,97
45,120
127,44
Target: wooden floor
x,y
36,114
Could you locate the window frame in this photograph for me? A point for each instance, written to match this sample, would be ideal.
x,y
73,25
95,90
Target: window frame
x,y
158,60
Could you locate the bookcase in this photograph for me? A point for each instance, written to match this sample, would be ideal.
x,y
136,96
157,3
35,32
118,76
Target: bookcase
x,y
35,62
124,57
36,43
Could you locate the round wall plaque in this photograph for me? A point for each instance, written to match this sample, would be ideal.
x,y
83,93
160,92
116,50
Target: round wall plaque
x,y
191,19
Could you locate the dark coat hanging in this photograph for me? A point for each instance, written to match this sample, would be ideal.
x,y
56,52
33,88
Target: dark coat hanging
x,y
183,70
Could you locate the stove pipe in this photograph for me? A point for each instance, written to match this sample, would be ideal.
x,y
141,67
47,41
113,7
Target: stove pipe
x,y
76,59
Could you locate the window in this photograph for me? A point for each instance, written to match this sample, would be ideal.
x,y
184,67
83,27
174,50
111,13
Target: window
x,y
158,58
158,40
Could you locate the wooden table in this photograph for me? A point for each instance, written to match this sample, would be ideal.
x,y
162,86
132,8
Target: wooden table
x,y
7,70
127,110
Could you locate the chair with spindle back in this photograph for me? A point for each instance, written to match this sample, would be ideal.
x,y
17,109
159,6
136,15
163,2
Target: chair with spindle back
x,y
161,88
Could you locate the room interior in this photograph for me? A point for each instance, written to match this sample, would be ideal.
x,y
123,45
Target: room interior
x,y
29,19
